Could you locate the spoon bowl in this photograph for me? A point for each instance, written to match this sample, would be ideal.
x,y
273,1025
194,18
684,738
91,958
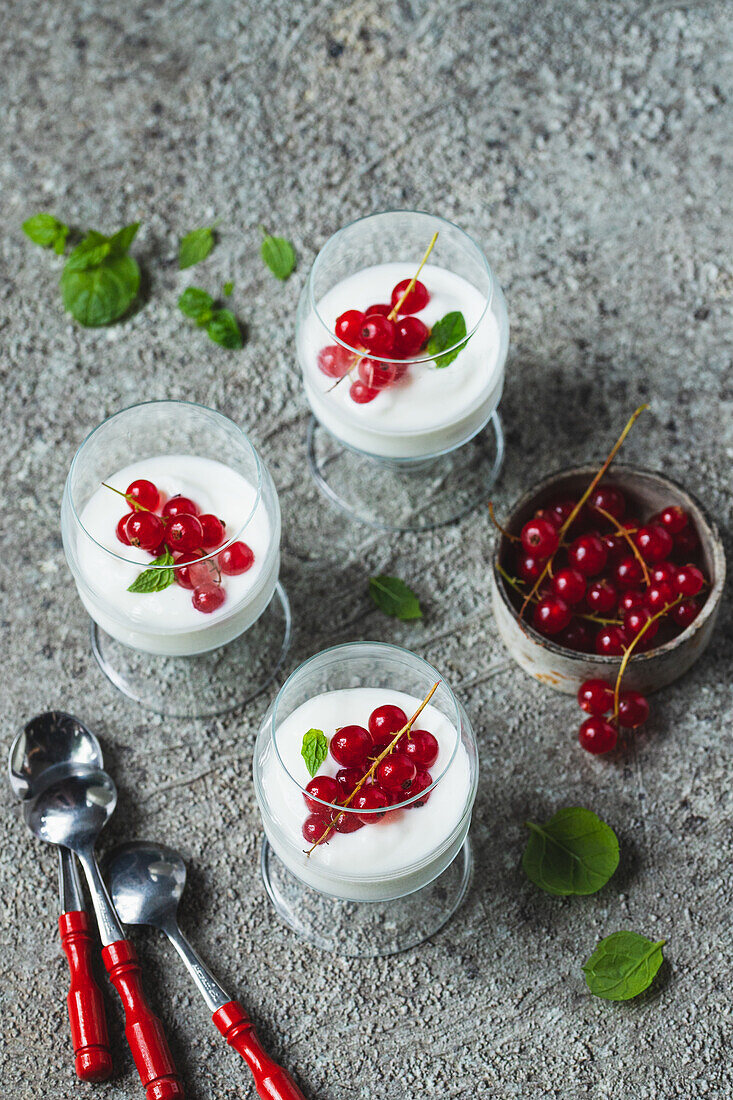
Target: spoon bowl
x,y
146,883
72,808
46,746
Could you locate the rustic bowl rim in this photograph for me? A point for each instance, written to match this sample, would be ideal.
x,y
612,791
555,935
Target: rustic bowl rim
x,y
711,534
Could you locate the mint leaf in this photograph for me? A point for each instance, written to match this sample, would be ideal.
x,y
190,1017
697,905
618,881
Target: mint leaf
x,y
103,293
227,289
279,255
92,251
121,240
47,231
196,303
155,580
314,750
447,333
393,597
195,246
623,965
573,853
223,328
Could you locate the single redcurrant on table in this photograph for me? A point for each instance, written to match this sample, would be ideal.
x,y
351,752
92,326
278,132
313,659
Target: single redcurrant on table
x,y
597,735
144,529
595,697
348,327
143,493
208,597
236,559
539,537
351,745
324,787
180,506
416,300
184,532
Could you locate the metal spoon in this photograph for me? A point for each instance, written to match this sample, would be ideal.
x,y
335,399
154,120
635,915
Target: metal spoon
x,y
146,882
46,743
72,810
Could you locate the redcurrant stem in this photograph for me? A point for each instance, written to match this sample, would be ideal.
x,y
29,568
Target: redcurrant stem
x,y
623,531
127,496
598,619
396,309
373,768
514,582
630,649
611,455
498,526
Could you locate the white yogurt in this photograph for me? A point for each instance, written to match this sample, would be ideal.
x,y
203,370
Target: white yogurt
x,y
431,410
403,851
166,622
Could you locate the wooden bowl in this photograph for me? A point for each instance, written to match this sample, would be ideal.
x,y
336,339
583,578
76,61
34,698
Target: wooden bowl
x,y
564,669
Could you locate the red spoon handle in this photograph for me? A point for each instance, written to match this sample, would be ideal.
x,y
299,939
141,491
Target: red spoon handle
x,y
271,1080
143,1029
84,1001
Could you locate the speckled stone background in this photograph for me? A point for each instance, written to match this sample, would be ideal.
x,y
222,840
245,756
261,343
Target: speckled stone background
x,y
585,145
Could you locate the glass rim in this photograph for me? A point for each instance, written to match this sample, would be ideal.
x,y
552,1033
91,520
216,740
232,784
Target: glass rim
x,y
414,359
141,405
356,645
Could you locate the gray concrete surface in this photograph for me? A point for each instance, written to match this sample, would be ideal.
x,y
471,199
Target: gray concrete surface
x,y
585,145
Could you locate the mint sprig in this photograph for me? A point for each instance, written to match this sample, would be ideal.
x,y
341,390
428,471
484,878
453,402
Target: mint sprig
x,y
279,255
195,246
447,333
623,965
155,580
100,281
573,853
221,325
314,750
47,231
394,597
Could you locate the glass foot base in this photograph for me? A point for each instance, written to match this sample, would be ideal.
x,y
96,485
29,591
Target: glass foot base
x,y
366,928
209,683
395,495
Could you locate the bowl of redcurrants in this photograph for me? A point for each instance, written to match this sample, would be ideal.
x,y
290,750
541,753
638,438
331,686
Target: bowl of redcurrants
x,y
636,576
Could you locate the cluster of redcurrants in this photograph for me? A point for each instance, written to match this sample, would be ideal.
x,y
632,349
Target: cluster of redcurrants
x,y
403,774
599,734
177,524
373,331
598,596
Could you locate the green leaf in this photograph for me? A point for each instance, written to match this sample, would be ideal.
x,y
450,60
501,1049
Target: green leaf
x,y
278,254
121,240
47,231
393,597
227,289
155,580
196,303
623,965
314,750
195,246
223,328
573,853
100,294
447,333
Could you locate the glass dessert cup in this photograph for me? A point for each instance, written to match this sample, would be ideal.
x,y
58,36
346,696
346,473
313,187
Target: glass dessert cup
x,y
428,447
156,646
390,884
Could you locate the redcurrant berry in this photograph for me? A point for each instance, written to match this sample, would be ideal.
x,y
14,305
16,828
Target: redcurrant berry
x,y
236,559
673,518
185,533
396,772
361,393
420,746
376,375
638,619
335,360
627,573
686,543
633,710
208,597
144,529
411,336
120,529
180,506
347,779
689,580
597,735
347,823
631,598
190,571
529,567
143,493
348,327
685,612
381,307
539,537
351,745
214,529
616,548
601,596
658,596
663,571
595,697
385,722
324,787
371,798
315,828
577,636
416,300
608,499
377,334
610,641
551,615
588,554
562,509
654,542
569,585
